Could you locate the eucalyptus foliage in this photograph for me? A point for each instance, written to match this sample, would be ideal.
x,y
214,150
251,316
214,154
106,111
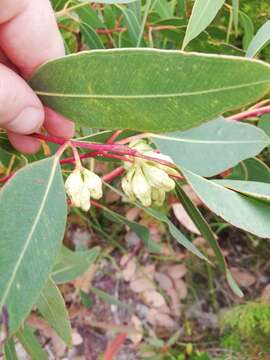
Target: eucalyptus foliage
x,y
184,104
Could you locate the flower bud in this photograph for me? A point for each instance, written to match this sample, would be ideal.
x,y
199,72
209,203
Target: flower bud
x,y
158,196
126,184
93,183
140,145
158,156
158,178
73,186
84,198
141,187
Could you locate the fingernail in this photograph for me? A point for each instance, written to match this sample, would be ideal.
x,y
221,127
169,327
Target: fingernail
x,y
28,121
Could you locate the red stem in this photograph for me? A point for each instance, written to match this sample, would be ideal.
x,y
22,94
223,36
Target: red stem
x,y
125,150
6,178
114,136
254,112
113,174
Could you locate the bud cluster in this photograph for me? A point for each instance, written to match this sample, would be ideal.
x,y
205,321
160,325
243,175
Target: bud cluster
x,y
148,181
81,185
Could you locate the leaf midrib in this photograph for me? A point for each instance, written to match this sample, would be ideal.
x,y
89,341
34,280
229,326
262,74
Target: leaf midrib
x,y
29,238
211,142
150,96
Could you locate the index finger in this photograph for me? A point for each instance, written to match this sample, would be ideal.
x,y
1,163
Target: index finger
x,y
29,34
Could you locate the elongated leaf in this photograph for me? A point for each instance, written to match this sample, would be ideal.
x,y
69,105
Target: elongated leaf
x,y
251,169
91,38
31,345
132,24
235,9
120,89
207,233
248,28
213,147
176,233
246,213
254,189
261,39
52,307
90,17
71,264
32,216
163,8
109,298
140,230
10,351
203,13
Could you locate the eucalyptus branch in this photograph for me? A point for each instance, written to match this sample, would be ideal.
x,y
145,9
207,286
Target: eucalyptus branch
x,y
254,112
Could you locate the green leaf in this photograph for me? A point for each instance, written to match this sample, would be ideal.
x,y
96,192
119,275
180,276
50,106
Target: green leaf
x,y
109,299
163,8
248,28
207,233
132,24
246,213
213,147
260,40
203,13
33,217
31,345
235,9
10,351
120,89
176,233
140,230
91,38
72,264
252,169
254,189
52,307
90,17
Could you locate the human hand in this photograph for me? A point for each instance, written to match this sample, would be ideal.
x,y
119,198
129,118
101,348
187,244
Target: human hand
x,y
28,37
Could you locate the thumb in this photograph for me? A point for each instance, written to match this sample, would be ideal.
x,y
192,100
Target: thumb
x,y
21,111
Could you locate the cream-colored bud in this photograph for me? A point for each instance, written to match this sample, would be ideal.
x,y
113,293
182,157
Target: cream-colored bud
x,y
140,145
74,182
73,186
158,196
169,170
93,183
127,188
158,178
84,198
141,187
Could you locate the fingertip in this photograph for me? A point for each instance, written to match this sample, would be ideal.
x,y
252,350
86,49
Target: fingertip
x,y
58,125
24,143
28,121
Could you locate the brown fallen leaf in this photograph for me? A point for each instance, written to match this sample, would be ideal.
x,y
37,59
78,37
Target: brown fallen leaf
x,y
177,271
84,282
158,319
192,195
175,302
136,338
181,288
40,324
141,284
153,298
128,273
163,281
184,219
243,277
